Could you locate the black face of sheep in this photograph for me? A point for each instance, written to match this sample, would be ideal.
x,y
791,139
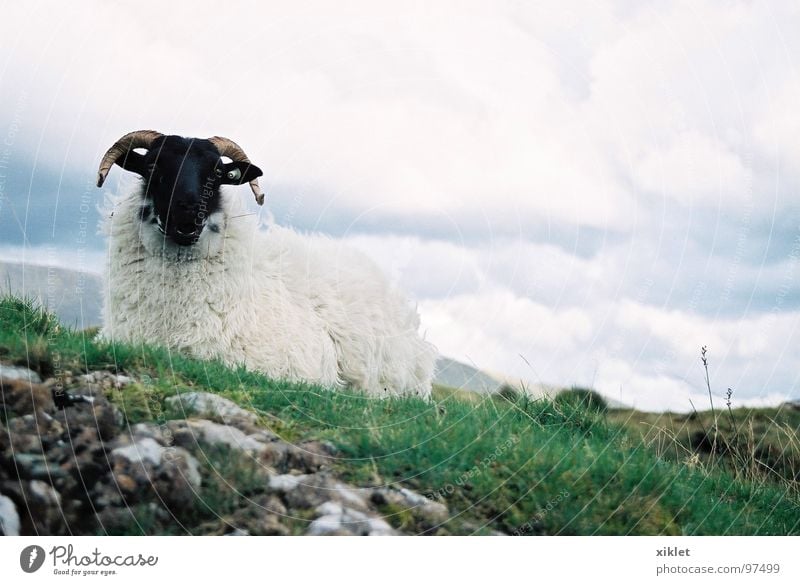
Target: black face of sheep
x,y
182,178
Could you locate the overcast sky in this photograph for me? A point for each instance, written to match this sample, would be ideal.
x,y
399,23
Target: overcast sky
x,y
599,190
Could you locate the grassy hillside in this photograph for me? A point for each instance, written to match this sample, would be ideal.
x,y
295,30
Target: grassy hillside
x,y
758,444
514,465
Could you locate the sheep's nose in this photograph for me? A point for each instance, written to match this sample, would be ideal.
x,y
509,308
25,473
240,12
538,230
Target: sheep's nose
x,y
187,229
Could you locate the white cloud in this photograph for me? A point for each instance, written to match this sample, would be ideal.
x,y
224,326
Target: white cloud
x,y
694,169
747,338
655,392
778,126
631,352
429,268
499,331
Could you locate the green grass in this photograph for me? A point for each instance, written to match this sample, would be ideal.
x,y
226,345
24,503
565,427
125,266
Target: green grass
x,y
514,465
752,443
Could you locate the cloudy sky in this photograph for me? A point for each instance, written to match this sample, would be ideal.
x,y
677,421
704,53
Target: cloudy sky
x,y
580,195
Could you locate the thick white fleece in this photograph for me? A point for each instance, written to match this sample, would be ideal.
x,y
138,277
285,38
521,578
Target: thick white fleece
x,y
293,306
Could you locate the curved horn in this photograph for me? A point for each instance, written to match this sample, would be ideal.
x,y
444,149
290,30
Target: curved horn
x,y
138,139
229,148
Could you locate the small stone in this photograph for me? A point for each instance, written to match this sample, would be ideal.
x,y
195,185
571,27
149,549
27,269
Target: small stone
x,y
188,433
25,442
171,472
36,466
311,490
413,498
379,527
284,483
208,404
261,517
106,379
270,503
306,457
151,431
20,397
329,509
188,465
349,495
9,519
143,451
336,519
91,409
126,483
19,373
330,525
431,512
44,505
45,493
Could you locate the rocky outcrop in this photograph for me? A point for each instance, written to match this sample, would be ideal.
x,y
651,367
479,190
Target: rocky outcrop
x,y
214,468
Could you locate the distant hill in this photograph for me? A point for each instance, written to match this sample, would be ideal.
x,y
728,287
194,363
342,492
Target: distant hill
x,y
72,295
450,372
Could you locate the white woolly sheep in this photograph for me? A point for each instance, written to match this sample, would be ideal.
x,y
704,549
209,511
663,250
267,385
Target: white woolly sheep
x,y
188,269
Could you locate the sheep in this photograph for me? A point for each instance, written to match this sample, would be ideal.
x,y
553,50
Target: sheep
x,y
189,269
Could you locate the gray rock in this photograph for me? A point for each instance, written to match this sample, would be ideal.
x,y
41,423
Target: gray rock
x,y
336,519
313,489
304,457
430,511
152,431
261,516
19,373
189,433
93,410
106,379
208,404
21,397
44,493
9,519
285,483
145,466
190,466
44,505
145,450
434,511
25,435
35,466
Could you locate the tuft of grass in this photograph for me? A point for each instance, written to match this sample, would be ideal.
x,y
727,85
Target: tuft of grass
x,y
583,398
508,393
525,466
26,316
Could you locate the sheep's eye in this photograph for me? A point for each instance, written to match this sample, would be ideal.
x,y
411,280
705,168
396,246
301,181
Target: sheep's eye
x,y
235,174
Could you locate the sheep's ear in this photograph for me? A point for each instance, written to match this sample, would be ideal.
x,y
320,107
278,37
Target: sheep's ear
x,y
134,162
238,173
